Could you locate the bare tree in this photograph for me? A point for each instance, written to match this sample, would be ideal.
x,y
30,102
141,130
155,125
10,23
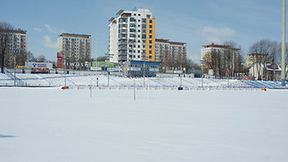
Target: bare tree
x,y
41,58
233,58
265,51
191,66
30,57
225,60
21,58
211,61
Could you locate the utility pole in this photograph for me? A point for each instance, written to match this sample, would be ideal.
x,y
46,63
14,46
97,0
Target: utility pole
x,y
283,51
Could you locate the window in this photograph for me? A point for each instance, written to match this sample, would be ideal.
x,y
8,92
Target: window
x,y
150,31
150,26
150,36
151,21
138,46
132,19
150,41
139,14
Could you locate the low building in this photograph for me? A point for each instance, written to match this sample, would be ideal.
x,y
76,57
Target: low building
x,y
260,71
141,68
104,66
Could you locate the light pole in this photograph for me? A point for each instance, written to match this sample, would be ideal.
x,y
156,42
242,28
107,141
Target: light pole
x,y
283,51
14,70
202,81
65,68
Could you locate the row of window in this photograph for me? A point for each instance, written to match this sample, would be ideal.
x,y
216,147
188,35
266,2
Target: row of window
x,y
139,52
134,51
134,56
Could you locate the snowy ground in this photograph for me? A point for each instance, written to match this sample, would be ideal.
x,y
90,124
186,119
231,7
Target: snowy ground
x,y
51,125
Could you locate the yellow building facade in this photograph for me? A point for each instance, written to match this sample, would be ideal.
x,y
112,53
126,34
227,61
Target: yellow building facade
x,y
150,39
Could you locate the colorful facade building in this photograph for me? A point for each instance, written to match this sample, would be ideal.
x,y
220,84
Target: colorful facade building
x,y
132,36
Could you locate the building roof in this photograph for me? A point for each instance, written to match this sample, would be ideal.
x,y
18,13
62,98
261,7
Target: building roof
x,y
129,12
212,45
19,31
74,35
162,40
178,43
171,42
257,54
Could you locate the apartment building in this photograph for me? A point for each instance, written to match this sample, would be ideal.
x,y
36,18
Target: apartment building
x,y
15,46
171,54
132,36
220,60
75,50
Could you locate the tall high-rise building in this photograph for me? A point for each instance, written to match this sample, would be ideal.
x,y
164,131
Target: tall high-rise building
x,y
171,54
14,45
75,50
132,36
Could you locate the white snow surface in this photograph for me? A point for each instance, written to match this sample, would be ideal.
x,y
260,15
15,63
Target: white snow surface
x,y
54,125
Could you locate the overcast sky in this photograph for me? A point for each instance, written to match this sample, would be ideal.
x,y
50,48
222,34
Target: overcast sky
x,y
195,22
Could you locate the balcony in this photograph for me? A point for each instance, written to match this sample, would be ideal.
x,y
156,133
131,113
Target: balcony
x,y
122,48
122,43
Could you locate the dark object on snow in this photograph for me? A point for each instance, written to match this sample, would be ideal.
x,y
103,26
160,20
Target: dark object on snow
x,y
180,88
65,87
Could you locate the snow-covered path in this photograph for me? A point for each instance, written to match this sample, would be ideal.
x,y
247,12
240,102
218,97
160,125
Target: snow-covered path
x,y
51,125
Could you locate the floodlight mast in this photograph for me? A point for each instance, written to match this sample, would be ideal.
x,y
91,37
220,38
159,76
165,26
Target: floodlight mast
x,y
283,49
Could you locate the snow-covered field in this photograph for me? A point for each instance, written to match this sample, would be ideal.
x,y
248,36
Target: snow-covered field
x,y
52,125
